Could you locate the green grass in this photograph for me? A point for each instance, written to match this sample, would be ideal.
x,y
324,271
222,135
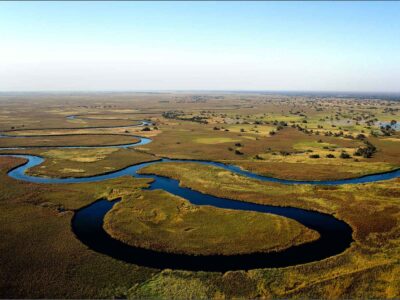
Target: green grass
x,y
313,144
252,129
69,140
163,222
371,209
41,258
211,141
84,162
334,199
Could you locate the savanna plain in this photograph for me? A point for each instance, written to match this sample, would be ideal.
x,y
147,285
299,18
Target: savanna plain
x,y
291,137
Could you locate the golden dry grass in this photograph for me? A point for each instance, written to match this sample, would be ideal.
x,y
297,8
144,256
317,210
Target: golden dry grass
x,y
40,258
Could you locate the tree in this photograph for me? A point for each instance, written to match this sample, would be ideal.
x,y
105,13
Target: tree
x,y
360,136
366,151
237,152
344,155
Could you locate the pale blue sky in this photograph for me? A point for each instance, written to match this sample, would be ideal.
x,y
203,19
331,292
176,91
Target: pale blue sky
x,y
325,46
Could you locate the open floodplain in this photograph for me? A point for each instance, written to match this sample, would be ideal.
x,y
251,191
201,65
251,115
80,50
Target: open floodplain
x,y
199,195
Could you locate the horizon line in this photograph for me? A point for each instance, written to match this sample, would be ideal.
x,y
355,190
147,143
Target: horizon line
x,y
198,90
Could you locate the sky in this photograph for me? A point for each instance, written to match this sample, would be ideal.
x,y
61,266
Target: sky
x,y
273,46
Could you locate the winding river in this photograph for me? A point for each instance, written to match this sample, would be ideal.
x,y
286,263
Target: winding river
x,y
87,223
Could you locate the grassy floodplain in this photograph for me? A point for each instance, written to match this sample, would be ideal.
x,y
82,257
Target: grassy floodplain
x,y
276,135
163,222
84,162
68,140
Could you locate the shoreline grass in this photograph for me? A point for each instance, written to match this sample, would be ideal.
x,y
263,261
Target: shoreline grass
x,y
160,221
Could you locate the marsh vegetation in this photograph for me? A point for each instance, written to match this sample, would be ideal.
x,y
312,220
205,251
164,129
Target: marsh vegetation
x,y
291,137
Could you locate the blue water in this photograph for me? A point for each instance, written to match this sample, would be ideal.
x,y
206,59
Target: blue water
x,y
20,172
87,224
395,126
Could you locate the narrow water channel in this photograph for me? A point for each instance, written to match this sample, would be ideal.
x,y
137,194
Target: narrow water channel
x,y
87,223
